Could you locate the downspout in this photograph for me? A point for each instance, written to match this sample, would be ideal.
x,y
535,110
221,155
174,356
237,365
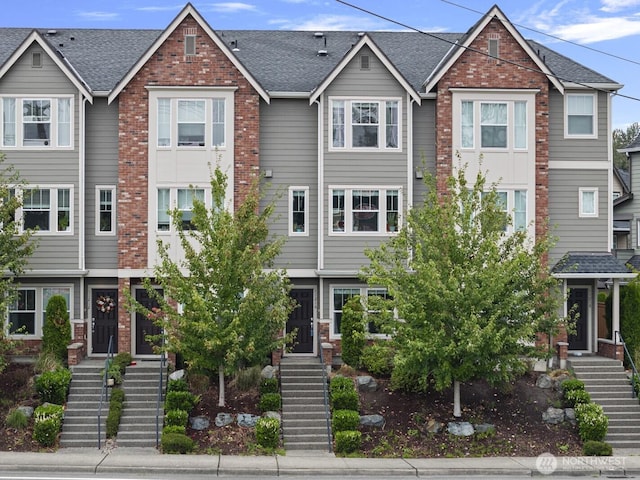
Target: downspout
x,y
410,166
81,204
610,179
320,104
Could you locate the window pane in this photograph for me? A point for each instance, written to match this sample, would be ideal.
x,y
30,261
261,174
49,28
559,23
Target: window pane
x,y
338,211
520,210
36,119
218,116
164,220
392,124
9,122
580,113
298,211
22,314
467,125
493,124
64,210
36,208
365,206
520,124
191,122
164,122
340,297
47,293
106,211
186,197
392,210
588,203
364,124
64,122
337,121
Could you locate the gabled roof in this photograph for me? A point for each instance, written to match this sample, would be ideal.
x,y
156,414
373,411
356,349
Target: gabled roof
x,y
349,56
188,10
473,33
58,58
590,265
633,146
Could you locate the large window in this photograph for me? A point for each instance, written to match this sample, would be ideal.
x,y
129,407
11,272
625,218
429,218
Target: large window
x,y
514,204
299,211
180,198
365,210
365,124
27,313
48,210
580,120
105,210
498,125
198,122
37,122
341,295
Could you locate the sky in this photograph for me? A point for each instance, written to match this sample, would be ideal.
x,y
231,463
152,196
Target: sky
x,y
603,35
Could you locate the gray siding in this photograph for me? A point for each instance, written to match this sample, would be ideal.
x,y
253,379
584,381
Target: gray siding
x,y
288,147
631,208
101,169
424,145
573,232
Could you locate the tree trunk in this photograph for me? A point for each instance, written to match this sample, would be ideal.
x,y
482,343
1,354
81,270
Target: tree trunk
x,y
457,411
221,386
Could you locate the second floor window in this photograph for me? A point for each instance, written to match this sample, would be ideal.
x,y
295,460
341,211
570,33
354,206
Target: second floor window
x,y
365,210
365,124
105,215
180,198
299,211
36,122
499,125
580,119
48,210
191,122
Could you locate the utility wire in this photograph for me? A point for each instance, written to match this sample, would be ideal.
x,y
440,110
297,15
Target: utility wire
x,y
471,49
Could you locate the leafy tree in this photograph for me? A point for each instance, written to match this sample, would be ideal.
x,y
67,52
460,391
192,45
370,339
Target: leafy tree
x,y
471,296
352,329
56,331
225,306
15,248
622,138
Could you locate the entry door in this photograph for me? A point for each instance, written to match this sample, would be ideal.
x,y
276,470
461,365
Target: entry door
x,y
579,297
144,325
301,320
104,319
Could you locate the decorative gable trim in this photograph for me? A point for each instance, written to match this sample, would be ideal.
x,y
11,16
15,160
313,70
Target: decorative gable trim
x,y
350,55
458,50
55,55
186,11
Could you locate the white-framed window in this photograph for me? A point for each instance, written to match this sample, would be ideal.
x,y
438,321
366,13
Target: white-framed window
x,y
588,202
342,294
35,122
47,210
498,125
299,211
366,124
580,118
514,204
105,210
198,122
365,210
180,198
26,315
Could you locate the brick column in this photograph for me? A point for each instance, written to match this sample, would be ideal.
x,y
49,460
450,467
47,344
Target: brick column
x,y
124,318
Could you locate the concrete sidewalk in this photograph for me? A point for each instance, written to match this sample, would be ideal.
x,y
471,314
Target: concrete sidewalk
x,y
149,461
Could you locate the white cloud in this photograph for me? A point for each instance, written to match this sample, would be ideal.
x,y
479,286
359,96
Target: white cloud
x,y
617,5
598,29
232,7
169,8
328,23
98,16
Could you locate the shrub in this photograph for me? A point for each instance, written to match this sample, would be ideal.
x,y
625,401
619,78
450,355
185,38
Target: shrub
x,y
53,386
47,362
378,359
175,429
116,404
47,424
56,331
348,441
17,419
345,400
180,401
176,417
248,378
592,422
179,385
592,448
49,410
341,384
114,372
352,328
344,420
268,432
121,361
176,443
574,397
270,402
572,384
269,385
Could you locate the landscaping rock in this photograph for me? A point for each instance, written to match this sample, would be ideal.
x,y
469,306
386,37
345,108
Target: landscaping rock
x,y
540,366
485,428
247,420
199,423
177,375
223,419
544,381
557,382
434,426
553,415
269,371
376,421
461,429
366,383
272,414
27,410
570,415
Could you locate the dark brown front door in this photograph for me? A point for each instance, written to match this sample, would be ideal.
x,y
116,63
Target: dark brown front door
x,y
104,319
579,297
301,320
144,325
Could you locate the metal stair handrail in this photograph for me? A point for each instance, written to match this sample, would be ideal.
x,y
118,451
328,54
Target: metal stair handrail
x,y
160,398
634,372
104,394
325,387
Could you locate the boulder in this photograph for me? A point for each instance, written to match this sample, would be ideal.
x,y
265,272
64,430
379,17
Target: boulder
x,y
376,421
544,381
272,414
553,415
247,420
366,383
27,410
461,429
570,415
269,372
557,382
223,419
433,426
177,375
199,423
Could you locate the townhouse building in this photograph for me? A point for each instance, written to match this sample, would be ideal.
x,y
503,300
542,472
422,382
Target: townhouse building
x,y
111,128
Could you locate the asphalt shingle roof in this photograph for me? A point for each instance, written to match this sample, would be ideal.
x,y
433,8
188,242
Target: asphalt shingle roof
x,y
596,263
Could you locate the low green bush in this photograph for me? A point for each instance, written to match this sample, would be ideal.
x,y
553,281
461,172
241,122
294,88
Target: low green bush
x,y
344,420
16,419
574,397
180,401
268,432
52,387
339,384
592,448
176,443
122,360
176,417
179,385
345,400
572,384
378,359
174,429
116,404
47,424
592,422
270,402
248,378
348,441
269,385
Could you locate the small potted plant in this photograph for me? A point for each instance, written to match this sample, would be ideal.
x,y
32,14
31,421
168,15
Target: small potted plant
x,y
392,221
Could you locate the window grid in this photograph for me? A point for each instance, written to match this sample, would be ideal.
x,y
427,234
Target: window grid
x,y
298,206
365,210
580,115
27,313
106,211
191,123
371,124
341,295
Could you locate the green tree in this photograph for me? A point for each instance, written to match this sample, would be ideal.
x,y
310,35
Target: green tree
x,y
470,296
225,306
352,328
621,139
16,247
56,331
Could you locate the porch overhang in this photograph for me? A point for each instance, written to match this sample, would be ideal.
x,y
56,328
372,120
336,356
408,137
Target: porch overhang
x,y
583,265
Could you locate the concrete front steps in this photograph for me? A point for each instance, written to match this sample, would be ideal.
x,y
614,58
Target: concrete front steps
x,y
304,415
608,385
138,421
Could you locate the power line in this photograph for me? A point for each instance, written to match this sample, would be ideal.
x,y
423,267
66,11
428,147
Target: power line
x,y
471,49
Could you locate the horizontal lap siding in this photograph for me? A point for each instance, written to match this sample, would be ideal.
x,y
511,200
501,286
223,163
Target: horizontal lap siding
x,y
288,147
424,145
